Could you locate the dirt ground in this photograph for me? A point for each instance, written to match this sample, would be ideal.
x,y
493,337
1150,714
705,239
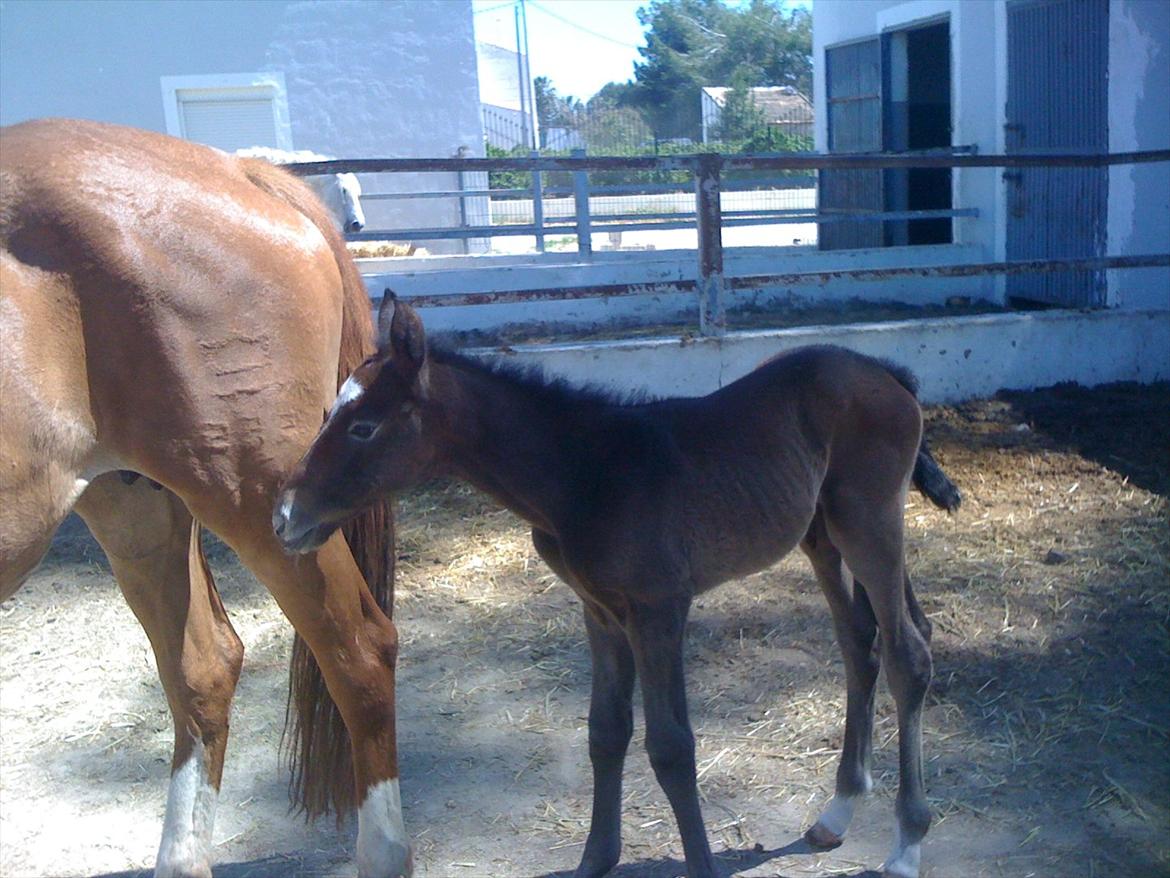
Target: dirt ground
x,y
1046,731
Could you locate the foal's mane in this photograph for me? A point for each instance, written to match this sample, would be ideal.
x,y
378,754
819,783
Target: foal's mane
x,y
533,381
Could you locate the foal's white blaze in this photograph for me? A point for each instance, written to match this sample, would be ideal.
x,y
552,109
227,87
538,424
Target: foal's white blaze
x,y
383,850
186,840
904,860
350,391
838,815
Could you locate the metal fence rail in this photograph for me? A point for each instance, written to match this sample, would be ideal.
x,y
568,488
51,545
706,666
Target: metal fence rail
x,y
706,171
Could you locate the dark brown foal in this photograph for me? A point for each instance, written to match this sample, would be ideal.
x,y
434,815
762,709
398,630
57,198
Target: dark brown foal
x,y
641,506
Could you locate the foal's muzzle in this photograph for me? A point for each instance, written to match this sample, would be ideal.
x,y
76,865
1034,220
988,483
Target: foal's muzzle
x,y
296,531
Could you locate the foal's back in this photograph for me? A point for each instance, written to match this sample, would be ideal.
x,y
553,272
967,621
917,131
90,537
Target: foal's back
x,y
758,456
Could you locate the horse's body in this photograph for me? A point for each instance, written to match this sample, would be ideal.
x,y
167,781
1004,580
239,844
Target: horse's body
x,y
172,311
640,507
340,193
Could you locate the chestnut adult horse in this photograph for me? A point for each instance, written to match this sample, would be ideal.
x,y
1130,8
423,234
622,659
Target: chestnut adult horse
x,y
639,507
171,311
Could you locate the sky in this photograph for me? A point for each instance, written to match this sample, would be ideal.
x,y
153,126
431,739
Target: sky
x,y
579,44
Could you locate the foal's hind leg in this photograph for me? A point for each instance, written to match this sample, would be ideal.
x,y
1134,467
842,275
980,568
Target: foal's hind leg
x,y
154,550
869,536
856,630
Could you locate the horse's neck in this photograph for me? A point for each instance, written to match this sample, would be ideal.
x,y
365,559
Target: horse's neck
x,y
515,445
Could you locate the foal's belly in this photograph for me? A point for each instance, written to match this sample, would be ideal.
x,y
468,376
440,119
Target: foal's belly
x,y
729,547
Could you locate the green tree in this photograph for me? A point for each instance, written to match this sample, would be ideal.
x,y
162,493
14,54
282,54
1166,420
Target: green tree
x,y
553,110
696,43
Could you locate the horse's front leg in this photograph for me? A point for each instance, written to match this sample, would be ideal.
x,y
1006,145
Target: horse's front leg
x,y
656,634
611,723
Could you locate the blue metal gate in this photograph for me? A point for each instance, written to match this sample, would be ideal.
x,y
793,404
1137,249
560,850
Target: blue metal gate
x,y
1057,101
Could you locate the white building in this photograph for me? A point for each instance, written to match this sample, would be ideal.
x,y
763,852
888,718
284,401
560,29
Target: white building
x,y
1004,76
350,79
506,97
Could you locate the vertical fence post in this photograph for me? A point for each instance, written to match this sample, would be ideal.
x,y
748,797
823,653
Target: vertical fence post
x,y
462,153
581,203
537,203
709,219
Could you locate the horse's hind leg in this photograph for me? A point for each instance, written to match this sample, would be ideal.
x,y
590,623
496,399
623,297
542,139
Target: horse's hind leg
x,y
154,550
869,535
856,630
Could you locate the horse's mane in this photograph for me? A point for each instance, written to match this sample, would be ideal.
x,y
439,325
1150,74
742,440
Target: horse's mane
x,y
534,381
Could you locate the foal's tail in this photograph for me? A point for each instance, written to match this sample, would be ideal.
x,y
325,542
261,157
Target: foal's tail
x,y
316,741
928,477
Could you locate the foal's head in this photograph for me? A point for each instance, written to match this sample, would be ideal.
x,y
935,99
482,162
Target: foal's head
x,y
373,442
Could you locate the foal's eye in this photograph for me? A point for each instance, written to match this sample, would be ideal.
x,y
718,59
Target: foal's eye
x,y
363,430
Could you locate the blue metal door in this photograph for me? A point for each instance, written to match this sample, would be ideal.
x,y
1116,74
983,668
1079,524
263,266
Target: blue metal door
x,y
853,81
1057,102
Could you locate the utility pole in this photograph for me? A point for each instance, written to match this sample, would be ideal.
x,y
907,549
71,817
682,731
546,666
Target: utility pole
x,y
521,80
528,72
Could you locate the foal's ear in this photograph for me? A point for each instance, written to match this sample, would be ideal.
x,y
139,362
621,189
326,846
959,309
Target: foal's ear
x,y
386,319
400,332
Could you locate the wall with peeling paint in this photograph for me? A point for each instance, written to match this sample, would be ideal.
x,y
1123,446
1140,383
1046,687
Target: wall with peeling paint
x,y
954,358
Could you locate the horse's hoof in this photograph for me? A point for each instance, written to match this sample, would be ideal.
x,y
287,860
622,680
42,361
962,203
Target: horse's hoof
x,y
822,839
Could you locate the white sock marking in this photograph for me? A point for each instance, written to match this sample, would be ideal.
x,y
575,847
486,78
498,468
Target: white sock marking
x,y
383,850
185,848
838,815
904,860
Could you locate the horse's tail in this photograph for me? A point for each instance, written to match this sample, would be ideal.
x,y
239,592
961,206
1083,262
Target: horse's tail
x,y
928,477
316,741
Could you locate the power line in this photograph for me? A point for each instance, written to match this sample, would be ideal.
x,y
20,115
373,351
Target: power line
x,y
494,8
579,27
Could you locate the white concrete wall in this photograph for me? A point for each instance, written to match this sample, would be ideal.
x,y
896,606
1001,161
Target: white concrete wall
x,y
954,358
658,273
364,79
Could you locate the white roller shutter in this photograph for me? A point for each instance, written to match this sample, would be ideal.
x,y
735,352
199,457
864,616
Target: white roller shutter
x,y
229,124
228,121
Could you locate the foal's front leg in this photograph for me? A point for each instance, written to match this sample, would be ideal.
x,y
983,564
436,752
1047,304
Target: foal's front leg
x,y
656,635
611,723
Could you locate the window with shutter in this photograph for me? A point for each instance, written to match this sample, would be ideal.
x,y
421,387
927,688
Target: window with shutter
x,y
230,111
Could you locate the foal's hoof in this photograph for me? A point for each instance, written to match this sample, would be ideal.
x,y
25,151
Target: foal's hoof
x,y
822,839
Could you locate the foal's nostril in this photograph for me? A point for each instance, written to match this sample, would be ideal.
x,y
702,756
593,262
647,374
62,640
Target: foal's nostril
x,y
355,226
